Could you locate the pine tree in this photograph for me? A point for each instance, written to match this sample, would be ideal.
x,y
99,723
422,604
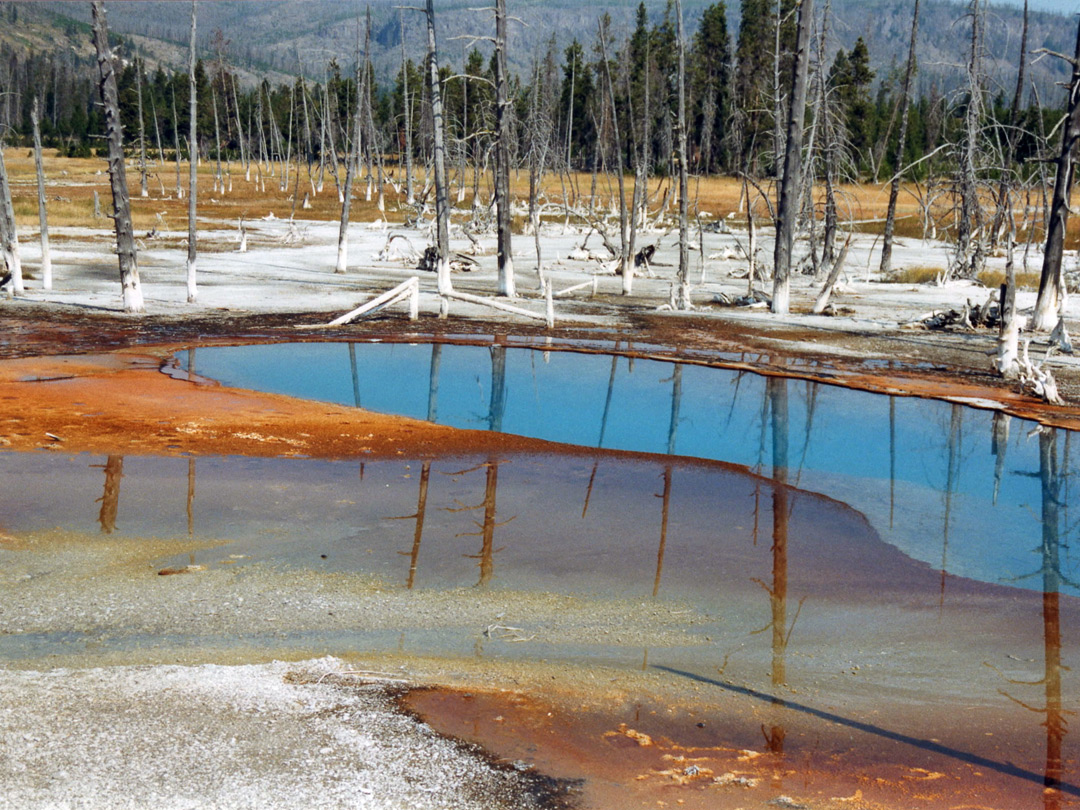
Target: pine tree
x,y
710,73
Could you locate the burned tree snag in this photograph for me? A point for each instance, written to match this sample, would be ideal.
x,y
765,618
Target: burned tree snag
x,y
407,114
193,164
442,202
682,297
624,245
1051,283
502,156
352,166
9,239
894,186
143,190
46,259
114,134
788,207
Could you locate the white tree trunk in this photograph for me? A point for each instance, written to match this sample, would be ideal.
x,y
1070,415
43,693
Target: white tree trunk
x,y
43,220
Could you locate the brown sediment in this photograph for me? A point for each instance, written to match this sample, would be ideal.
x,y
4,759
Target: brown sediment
x,y
644,754
122,403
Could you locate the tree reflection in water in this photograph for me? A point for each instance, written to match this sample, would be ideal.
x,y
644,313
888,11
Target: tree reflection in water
x,y
110,498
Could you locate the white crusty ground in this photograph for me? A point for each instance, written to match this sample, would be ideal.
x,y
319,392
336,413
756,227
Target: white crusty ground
x,y
229,737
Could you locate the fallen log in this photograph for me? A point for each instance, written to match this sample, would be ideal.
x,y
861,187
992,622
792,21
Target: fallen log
x,y
548,317
409,289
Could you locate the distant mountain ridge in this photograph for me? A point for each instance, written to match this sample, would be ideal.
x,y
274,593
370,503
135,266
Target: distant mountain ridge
x,y
266,37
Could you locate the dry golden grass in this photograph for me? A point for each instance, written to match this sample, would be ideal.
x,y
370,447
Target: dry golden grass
x,y
991,279
918,274
995,278
73,181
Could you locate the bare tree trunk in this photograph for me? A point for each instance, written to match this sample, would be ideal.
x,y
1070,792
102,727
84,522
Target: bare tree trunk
x,y
143,191
219,178
410,196
1007,361
968,260
307,129
442,201
1011,139
464,129
352,162
157,141
125,240
193,163
43,220
245,158
682,299
788,207
9,238
373,143
329,127
894,186
778,99
176,145
502,156
624,246
288,142
1051,283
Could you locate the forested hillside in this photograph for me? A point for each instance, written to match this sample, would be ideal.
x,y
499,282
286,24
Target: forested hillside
x,y
254,53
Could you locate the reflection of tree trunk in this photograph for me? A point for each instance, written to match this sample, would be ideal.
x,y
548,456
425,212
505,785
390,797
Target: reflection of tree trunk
x,y
892,459
110,499
673,429
191,497
777,395
497,405
1055,721
355,375
999,442
676,404
603,430
951,476
421,509
488,525
607,400
487,550
433,382
811,409
663,530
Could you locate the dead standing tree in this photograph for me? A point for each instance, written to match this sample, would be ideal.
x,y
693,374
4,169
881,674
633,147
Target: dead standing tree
x,y
352,160
788,207
624,245
501,149
193,164
502,156
969,221
894,185
43,220
114,134
1051,296
9,239
442,201
682,298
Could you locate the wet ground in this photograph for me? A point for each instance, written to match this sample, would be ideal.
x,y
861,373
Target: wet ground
x,y
689,677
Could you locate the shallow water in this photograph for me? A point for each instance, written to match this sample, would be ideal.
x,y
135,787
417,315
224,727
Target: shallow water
x,y
900,596
956,487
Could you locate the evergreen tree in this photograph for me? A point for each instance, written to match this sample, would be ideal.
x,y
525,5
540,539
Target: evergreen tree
x,y
753,55
577,100
710,86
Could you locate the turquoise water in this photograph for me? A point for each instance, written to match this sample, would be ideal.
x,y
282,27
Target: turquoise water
x,y
862,567
959,488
